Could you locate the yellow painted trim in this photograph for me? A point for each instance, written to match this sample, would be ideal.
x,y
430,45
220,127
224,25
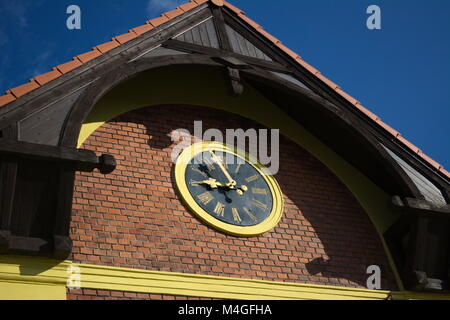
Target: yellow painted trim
x,y
32,278
202,87
171,283
180,181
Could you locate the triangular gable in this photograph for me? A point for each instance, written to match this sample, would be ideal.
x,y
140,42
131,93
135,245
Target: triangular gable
x,y
203,34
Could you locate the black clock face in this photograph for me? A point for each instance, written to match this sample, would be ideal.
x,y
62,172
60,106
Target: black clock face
x,y
229,188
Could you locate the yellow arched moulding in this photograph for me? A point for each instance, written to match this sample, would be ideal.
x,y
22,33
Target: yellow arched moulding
x,y
242,231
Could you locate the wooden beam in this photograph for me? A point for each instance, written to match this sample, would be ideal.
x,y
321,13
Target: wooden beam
x,y
84,159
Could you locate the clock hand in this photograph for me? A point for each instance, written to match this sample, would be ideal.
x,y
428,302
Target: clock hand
x,y
213,183
231,182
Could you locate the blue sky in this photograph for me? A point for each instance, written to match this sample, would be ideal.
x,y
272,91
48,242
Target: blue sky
x,y
401,72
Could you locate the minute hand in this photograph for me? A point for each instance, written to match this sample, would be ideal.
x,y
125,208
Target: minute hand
x,y
232,183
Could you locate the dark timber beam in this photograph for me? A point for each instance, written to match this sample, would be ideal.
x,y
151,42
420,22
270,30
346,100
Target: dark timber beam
x,y
84,160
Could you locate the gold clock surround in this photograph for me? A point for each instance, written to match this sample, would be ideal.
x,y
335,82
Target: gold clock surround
x,y
241,231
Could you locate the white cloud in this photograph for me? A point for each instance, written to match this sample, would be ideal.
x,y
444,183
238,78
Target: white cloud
x,y
157,7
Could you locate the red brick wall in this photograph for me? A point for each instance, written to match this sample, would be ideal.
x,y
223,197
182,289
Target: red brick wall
x,y
134,218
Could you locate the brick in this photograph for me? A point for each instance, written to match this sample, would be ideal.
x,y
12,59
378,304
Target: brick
x,y
133,218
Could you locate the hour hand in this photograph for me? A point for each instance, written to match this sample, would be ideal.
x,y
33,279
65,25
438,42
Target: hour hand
x,y
212,183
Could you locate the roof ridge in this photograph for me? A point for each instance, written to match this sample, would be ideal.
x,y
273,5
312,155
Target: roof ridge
x,y
77,61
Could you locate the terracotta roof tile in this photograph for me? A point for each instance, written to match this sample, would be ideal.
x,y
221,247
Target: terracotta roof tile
x,y
188,6
108,46
291,53
218,2
124,38
233,8
173,14
7,98
431,161
367,112
88,56
143,29
408,144
445,172
388,128
158,21
269,36
24,89
47,77
307,66
330,83
199,2
347,96
250,21
68,66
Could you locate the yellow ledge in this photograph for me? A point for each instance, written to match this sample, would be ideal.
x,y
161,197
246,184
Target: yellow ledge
x,y
27,278
144,281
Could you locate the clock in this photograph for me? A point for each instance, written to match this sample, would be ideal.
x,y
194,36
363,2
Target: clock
x,y
228,189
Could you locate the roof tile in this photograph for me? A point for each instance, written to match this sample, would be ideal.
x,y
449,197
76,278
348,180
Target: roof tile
x,y
250,21
233,8
307,66
409,144
47,77
218,3
288,51
188,6
199,2
7,98
388,128
269,36
366,111
445,172
124,38
68,66
431,161
347,96
330,83
173,14
88,56
143,29
24,89
158,21
108,46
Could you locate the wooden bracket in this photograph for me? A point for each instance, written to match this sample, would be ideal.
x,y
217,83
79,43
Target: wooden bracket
x,y
237,88
85,160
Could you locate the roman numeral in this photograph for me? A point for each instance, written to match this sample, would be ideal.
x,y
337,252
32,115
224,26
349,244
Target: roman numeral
x,y
259,191
205,198
194,183
259,204
219,209
236,216
251,215
252,178
238,167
